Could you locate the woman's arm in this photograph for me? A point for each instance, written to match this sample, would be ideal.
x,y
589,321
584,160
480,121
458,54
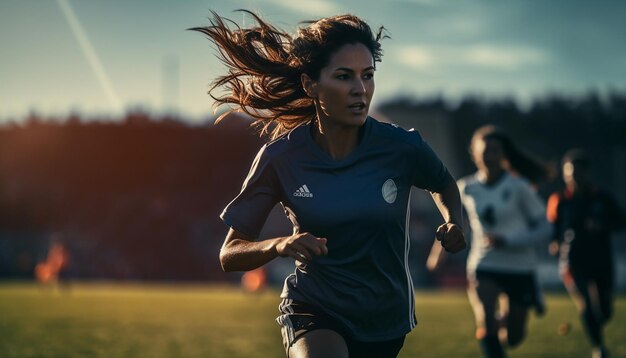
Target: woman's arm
x,y
241,253
448,201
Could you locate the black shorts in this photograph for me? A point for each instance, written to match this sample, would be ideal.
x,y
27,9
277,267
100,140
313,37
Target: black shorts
x,y
588,270
299,318
521,288
602,275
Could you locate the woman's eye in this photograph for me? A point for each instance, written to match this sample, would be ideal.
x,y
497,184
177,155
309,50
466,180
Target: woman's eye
x,y
368,76
342,77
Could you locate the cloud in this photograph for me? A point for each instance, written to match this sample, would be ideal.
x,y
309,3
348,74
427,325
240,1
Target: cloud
x,y
505,58
309,7
428,2
417,57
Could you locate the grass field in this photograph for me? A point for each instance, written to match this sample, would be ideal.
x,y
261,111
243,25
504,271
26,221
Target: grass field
x,y
109,320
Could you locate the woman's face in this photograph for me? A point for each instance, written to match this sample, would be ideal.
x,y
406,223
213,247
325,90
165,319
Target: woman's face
x,y
576,174
344,90
488,154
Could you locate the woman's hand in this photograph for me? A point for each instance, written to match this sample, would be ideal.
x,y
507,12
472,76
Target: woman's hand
x,y
451,237
301,247
554,248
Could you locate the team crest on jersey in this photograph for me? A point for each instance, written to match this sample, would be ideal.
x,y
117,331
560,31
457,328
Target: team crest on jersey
x,y
390,191
303,192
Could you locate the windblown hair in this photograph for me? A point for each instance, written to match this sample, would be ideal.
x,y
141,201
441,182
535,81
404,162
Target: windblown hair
x,y
519,161
265,65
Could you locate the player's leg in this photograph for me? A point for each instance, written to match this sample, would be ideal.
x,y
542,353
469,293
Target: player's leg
x,y
539,300
604,284
516,322
593,318
522,292
309,333
386,349
601,295
483,295
584,294
321,343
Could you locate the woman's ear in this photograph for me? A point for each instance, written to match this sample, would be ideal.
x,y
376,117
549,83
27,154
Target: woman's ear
x,y
309,86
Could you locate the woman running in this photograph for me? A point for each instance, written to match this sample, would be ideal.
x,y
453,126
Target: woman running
x,y
342,177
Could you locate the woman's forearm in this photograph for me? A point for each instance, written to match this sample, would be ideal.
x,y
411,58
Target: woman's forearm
x,y
448,202
239,254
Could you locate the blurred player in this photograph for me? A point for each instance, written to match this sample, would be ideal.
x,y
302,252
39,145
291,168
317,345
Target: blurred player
x,y
56,262
583,219
254,281
507,219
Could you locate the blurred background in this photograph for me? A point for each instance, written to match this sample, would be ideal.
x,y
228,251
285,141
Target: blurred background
x,y
111,167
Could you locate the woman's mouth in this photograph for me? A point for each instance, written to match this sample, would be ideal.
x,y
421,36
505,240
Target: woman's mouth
x,y
357,107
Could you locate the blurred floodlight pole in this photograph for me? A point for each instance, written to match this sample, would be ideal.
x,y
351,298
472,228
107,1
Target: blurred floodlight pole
x,y
170,84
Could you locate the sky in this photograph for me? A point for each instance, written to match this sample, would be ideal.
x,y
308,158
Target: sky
x,y
103,58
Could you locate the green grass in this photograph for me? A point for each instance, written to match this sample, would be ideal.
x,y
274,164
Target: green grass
x,y
109,320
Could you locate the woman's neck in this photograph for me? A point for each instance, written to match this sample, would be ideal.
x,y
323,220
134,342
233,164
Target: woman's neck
x,y
336,140
578,188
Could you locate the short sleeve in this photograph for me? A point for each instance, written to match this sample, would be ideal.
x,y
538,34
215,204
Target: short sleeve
x,y
461,184
428,171
553,207
249,210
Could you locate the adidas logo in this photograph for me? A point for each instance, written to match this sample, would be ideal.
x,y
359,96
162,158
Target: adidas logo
x,y
303,192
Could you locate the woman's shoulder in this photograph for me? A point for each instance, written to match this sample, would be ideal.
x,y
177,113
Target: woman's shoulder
x,y
285,143
395,133
518,181
468,181
520,184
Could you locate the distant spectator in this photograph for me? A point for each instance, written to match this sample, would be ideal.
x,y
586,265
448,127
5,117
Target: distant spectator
x,y
56,262
255,280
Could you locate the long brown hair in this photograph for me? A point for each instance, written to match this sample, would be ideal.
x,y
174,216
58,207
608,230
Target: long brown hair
x,y
519,161
265,65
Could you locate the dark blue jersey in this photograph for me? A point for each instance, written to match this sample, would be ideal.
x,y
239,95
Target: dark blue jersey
x,y
360,205
583,224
